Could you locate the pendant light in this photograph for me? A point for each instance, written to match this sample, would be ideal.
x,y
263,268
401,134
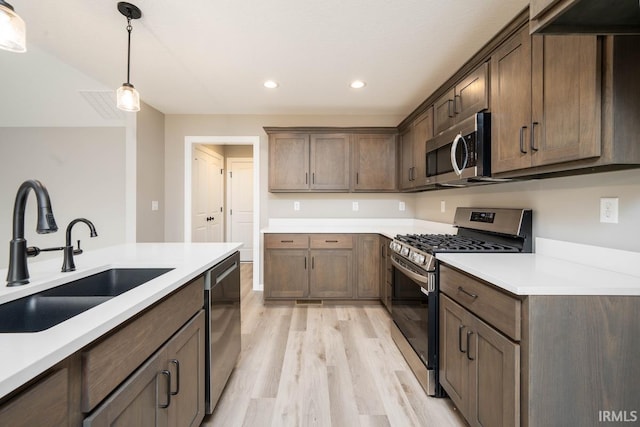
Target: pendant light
x,y
12,29
128,97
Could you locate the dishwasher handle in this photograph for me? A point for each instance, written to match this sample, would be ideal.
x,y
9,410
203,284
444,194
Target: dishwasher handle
x,y
220,277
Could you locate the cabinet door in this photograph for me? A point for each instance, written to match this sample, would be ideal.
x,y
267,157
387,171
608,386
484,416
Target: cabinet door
x,y
374,163
566,99
454,365
443,112
330,162
288,162
423,131
494,380
472,93
186,353
382,270
407,171
511,104
286,274
46,403
139,400
368,266
331,273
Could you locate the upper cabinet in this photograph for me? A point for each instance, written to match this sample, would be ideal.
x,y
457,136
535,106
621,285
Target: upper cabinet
x,y
467,97
413,142
584,16
374,162
302,162
545,101
317,159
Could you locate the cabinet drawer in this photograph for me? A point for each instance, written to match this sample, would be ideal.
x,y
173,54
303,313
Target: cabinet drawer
x,y
497,308
286,241
110,361
331,241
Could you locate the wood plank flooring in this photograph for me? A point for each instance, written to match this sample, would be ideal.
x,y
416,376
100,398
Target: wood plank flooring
x,y
322,366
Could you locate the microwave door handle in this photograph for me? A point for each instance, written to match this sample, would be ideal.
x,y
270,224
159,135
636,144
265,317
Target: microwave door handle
x,y
454,162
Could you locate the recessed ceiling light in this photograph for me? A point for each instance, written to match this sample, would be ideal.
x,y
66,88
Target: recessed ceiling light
x,y
357,84
270,84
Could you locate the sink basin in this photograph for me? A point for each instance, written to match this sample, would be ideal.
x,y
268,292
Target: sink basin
x,y
48,308
111,282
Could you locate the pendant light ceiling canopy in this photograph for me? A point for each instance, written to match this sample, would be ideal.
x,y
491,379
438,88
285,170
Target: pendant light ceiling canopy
x,y
127,95
12,29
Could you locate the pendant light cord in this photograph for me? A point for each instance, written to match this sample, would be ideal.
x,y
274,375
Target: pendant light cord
x,y
129,28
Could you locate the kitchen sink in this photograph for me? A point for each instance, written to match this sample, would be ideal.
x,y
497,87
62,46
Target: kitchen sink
x,y
48,308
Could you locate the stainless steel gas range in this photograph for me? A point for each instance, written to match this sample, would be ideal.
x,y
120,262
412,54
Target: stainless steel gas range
x,y
414,303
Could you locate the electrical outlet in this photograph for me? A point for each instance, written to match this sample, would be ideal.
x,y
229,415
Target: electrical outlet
x,y
154,205
401,206
442,206
355,207
296,206
609,210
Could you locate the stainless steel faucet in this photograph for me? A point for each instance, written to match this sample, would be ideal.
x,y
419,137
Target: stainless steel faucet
x,y
68,264
18,272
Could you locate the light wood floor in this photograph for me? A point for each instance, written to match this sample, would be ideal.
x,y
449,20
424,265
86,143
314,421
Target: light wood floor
x,y
322,366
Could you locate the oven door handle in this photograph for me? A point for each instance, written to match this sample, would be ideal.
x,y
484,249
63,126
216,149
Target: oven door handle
x,y
423,280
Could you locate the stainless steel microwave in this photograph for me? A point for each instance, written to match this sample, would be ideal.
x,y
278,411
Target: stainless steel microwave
x,y
461,155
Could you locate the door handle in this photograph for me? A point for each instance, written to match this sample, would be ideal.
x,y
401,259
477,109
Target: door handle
x,y
533,138
167,374
460,328
469,333
522,150
177,364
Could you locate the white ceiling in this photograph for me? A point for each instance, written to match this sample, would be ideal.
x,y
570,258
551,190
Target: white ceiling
x,y
212,56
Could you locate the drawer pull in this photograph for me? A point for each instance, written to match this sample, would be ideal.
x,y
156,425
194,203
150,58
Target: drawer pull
x,y
469,333
286,241
331,241
461,289
460,328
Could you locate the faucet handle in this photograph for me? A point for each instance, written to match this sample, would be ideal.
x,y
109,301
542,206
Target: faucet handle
x,y
33,251
77,251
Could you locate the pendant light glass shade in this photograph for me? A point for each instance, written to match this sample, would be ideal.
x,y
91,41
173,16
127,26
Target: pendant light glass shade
x,y
128,98
12,29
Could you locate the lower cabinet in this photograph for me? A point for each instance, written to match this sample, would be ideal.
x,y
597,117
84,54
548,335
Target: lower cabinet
x,y
322,266
44,404
386,272
167,390
480,368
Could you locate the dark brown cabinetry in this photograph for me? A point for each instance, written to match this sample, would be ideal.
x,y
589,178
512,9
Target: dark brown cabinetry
x,y
317,162
413,142
386,272
545,101
368,282
322,266
469,96
374,162
167,390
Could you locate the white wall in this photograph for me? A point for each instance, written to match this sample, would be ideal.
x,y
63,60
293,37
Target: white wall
x,y
83,169
563,208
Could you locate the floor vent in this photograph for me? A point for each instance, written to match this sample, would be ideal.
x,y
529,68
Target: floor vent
x,y
308,302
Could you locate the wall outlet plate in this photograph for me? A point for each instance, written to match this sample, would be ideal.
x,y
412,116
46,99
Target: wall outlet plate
x,y
296,206
401,206
443,206
355,206
609,210
154,205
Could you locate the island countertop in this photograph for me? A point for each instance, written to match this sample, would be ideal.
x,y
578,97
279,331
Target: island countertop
x,y
26,355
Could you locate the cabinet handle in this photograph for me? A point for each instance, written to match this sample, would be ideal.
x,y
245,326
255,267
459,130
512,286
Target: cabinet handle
x,y
461,289
313,262
177,364
522,150
533,143
286,241
331,241
305,263
306,177
357,178
469,333
313,178
460,328
167,374
455,104
449,109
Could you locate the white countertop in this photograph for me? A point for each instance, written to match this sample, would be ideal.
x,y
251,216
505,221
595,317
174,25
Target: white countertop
x,y
557,268
389,227
25,355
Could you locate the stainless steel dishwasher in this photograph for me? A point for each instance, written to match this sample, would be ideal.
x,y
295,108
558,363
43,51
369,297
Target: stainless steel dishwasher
x,y
222,341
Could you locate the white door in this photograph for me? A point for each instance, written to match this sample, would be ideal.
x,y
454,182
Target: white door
x,y
207,195
240,202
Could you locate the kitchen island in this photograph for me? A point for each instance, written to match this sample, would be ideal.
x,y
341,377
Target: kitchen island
x,y
25,356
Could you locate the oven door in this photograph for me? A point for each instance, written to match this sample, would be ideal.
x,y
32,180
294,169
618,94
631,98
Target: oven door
x,y
414,310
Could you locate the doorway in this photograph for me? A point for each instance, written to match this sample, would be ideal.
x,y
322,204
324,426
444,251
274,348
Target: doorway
x,y
254,142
